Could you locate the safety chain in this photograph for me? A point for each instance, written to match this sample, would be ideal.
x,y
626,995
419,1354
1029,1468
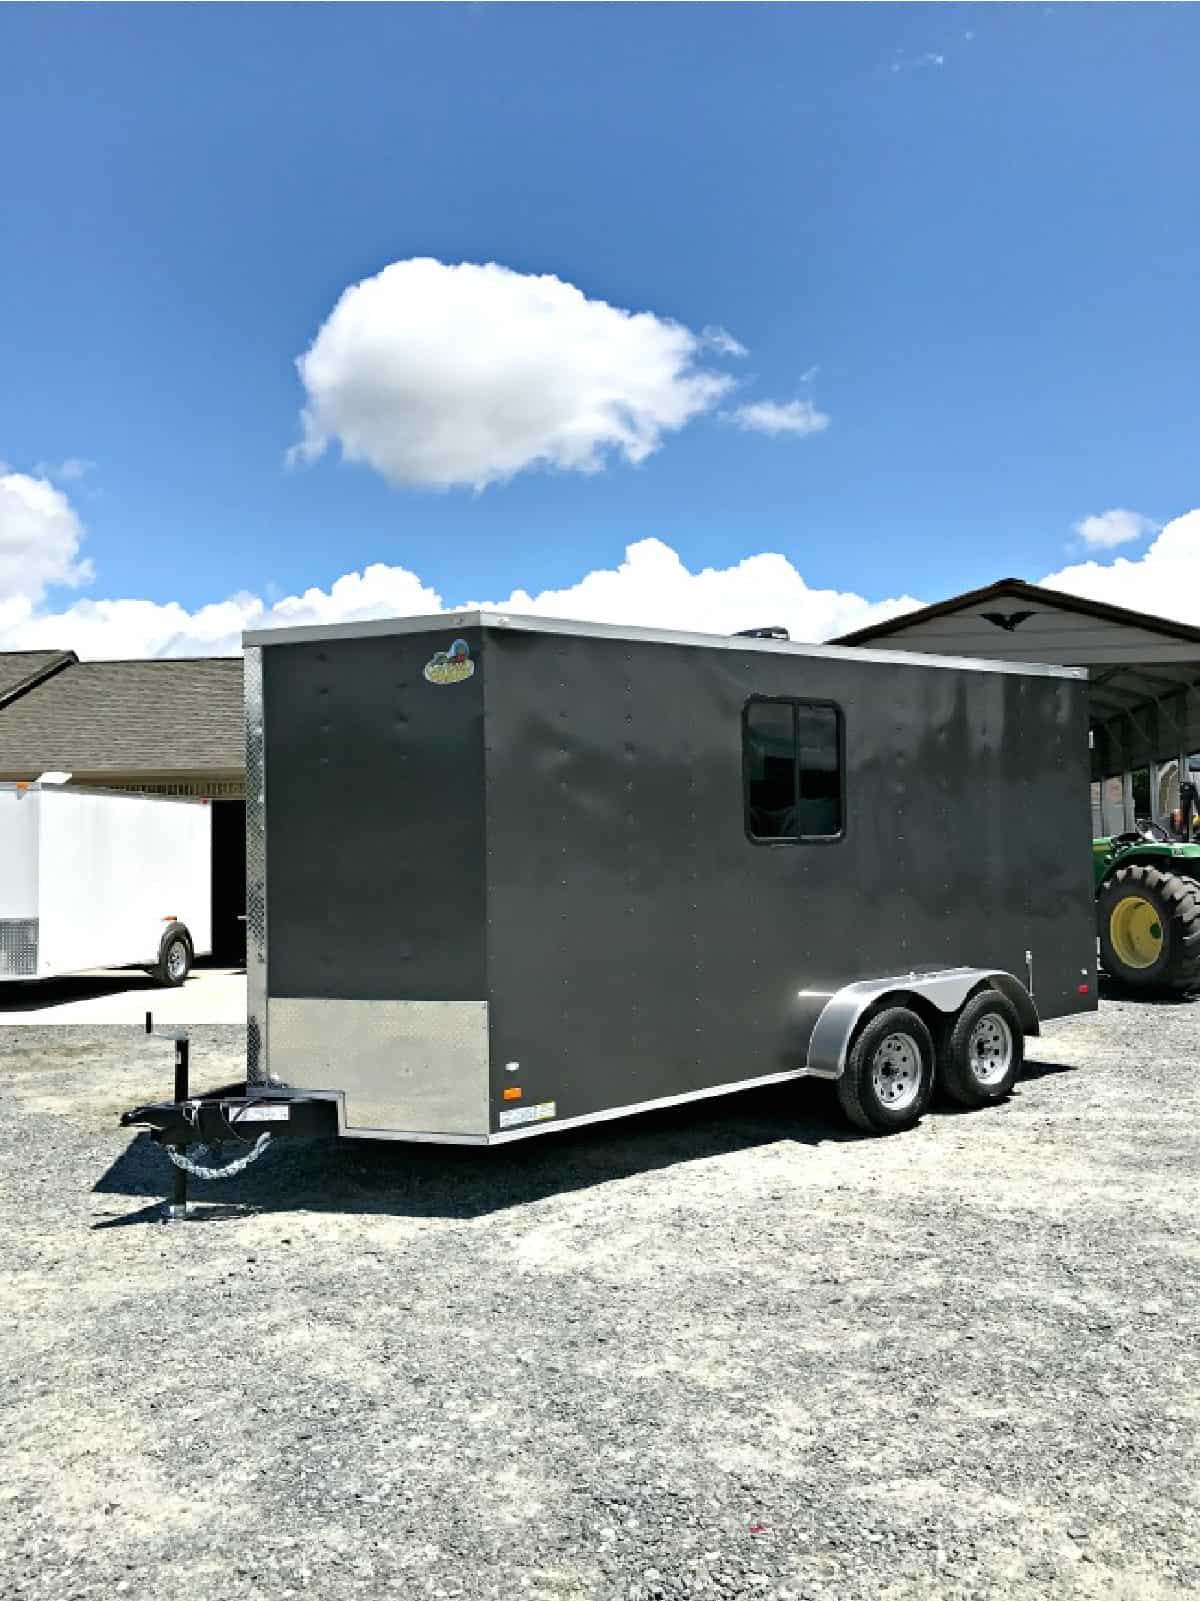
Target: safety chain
x,y
230,1170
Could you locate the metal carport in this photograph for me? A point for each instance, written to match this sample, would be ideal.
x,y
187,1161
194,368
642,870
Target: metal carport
x,y
1144,679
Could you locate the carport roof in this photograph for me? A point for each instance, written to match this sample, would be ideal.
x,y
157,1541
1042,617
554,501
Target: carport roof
x,y
1133,658
161,716
1022,589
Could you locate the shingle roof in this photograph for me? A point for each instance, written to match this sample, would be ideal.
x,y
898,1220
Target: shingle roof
x,y
22,668
160,716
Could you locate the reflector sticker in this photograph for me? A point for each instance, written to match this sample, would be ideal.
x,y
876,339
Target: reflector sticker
x,y
278,1112
450,666
516,1115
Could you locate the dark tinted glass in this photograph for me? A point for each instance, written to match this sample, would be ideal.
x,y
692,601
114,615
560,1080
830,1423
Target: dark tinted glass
x,y
793,770
820,787
770,755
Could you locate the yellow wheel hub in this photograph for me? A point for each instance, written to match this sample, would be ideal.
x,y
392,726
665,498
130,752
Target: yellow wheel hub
x,y
1136,932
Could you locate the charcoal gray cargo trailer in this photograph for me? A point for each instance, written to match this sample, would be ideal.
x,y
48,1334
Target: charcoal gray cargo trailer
x,y
509,875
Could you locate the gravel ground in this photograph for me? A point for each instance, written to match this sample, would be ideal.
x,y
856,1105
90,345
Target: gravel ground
x,y
730,1351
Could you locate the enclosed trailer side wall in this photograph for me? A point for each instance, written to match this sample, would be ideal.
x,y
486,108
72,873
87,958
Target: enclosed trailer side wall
x,y
642,946
113,870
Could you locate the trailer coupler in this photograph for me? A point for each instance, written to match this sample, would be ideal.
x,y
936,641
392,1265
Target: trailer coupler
x,y
211,1119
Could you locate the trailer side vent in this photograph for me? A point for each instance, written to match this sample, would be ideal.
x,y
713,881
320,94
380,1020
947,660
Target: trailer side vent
x,y
762,633
19,947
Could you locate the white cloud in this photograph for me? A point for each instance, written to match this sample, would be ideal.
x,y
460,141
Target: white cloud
x,y
722,341
69,471
133,628
929,58
1164,580
440,375
40,537
651,587
1117,526
779,417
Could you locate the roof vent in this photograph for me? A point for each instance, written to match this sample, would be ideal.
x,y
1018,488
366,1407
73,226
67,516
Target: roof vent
x,y
762,633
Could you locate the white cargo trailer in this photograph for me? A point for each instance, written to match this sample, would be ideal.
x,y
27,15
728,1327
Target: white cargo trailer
x,y
92,878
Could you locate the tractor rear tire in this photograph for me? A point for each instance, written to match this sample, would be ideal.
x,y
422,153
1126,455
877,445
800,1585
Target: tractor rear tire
x,y
1150,929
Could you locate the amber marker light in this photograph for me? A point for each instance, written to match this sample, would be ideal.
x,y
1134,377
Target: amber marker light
x,y
512,1094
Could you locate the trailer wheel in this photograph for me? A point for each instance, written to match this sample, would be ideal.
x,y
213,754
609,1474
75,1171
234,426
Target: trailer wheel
x,y
1150,928
888,1078
174,957
983,1052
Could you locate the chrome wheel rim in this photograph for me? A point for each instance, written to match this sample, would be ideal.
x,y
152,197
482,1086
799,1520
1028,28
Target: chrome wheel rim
x,y
177,960
896,1072
990,1049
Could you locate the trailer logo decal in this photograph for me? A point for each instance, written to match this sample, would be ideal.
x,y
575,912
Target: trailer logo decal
x,y
515,1116
451,666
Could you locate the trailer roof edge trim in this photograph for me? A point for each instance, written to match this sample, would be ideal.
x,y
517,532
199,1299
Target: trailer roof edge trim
x,y
504,621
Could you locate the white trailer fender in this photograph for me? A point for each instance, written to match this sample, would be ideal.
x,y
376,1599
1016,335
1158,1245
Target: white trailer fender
x,y
947,990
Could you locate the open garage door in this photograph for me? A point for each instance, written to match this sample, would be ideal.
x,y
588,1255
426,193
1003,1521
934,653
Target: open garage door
x,y
229,881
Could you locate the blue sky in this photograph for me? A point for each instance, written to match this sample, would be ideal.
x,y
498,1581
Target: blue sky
x,y
967,236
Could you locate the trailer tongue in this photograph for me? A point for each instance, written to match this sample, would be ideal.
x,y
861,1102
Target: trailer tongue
x,y
188,1126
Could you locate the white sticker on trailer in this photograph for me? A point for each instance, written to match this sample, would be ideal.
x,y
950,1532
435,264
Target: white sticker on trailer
x,y
278,1113
513,1117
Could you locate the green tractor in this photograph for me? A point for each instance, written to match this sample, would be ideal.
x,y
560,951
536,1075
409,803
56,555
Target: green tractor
x,y
1148,902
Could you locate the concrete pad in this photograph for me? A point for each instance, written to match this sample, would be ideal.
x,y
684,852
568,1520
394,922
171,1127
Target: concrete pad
x,y
124,996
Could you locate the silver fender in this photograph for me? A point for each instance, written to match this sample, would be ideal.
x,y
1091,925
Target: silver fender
x,y
947,990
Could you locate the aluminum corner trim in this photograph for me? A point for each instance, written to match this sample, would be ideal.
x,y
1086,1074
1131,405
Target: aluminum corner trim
x,y
256,873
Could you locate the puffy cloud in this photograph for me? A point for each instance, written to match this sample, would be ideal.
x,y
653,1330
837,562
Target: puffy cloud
x,y
651,587
40,536
440,375
1117,526
779,417
124,628
1164,580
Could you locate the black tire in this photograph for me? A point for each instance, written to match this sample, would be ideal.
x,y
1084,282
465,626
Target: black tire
x,y
1175,901
862,1090
175,957
983,1051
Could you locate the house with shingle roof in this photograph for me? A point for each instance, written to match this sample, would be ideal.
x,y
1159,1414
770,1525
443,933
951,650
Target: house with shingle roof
x,y
162,726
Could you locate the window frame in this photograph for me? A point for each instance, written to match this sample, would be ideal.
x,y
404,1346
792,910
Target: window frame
x,y
795,702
